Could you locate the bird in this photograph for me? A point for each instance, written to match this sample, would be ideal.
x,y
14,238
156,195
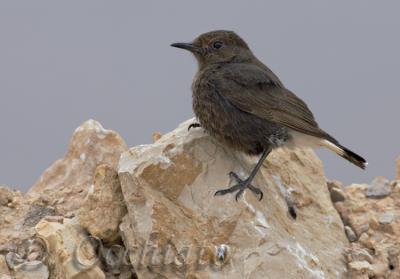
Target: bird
x,y
239,100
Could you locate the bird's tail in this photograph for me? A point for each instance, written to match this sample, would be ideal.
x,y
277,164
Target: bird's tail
x,y
346,153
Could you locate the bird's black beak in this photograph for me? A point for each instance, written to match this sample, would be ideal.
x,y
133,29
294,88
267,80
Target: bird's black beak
x,y
188,46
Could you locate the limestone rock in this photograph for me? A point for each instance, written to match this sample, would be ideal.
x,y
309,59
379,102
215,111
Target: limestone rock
x,y
156,136
379,188
176,228
337,195
350,234
377,224
65,183
103,208
4,271
14,219
32,270
73,254
360,269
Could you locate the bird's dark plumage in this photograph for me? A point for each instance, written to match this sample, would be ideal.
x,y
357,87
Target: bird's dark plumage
x,y
241,102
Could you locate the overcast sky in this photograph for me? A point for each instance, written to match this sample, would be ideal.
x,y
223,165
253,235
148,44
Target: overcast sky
x,y
63,62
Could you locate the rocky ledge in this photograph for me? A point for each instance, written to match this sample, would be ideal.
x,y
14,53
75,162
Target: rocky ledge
x,y
106,211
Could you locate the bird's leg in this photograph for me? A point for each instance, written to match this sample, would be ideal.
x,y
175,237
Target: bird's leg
x,y
246,183
194,125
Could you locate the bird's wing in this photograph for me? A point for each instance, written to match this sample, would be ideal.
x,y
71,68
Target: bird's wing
x,y
248,88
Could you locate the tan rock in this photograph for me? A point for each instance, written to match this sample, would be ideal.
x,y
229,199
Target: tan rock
x,y
334,184
176,227
377,223
72,252
156,136
359,269
6,195
32,270
103,208
69,178
3,266
14,217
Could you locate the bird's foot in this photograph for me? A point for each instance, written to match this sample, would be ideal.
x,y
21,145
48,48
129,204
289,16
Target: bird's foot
x,y
194,125
240,187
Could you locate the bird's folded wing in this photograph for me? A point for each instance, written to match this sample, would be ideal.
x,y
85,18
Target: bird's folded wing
x,y
248,88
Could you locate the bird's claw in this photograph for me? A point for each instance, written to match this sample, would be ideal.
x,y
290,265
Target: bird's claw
x,y
194,125
240,187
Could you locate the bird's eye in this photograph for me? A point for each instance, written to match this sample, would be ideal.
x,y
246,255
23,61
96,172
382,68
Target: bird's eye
x,y
217,45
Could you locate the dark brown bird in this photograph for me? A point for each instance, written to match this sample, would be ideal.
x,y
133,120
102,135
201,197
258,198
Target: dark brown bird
x,y
242,103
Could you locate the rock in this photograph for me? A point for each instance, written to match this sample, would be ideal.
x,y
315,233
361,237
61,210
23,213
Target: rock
x,y
337,195
351,236
386,218
6,195
4,271
358,253
37,213
103,208
360,268
156,136
14,209
379,188
32,270
58,219
160,199
73,254
69,178
176,227
377,228
334,184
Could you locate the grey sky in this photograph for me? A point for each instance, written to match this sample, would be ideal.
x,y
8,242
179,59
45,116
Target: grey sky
x,y
63,62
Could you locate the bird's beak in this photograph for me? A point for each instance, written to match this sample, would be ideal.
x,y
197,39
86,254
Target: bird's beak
x,y
188,46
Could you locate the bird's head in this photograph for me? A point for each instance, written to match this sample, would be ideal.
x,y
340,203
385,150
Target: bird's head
x,y
219,46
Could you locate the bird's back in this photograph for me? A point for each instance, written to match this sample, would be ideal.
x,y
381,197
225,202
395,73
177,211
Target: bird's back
x,y
223,119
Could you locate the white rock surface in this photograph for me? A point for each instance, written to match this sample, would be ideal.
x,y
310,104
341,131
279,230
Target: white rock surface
x,y
103,208
72,252
66,182
169,191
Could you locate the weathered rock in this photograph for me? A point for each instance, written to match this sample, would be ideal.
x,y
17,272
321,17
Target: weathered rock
x,y
337,195
14,208
156,136
65,184
360,269
379,188
103,208
351,236
186,232
37,213
386,218
74,256
6,195
32,270
358,253
377,226
334,184
4,271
